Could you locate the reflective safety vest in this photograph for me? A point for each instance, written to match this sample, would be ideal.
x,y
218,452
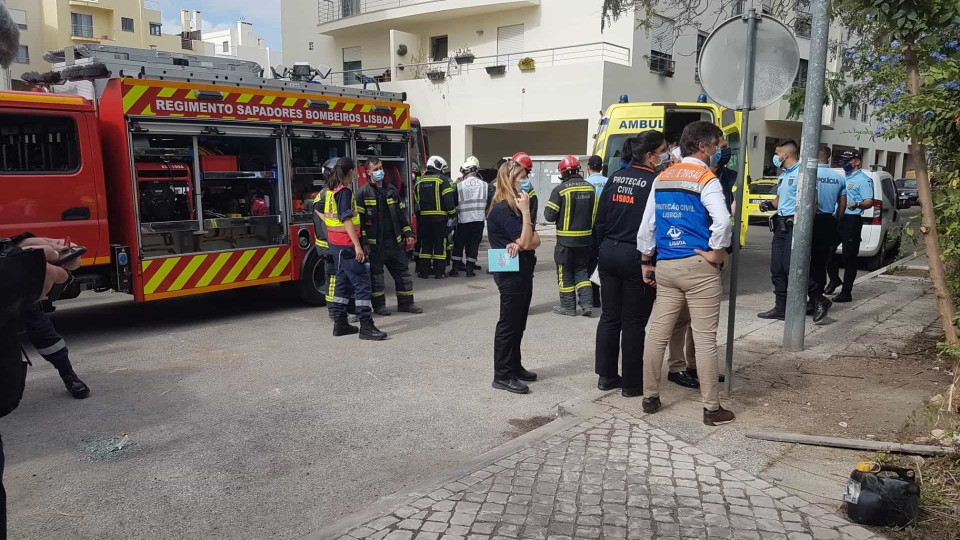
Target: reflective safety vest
x,y
683,223
336,232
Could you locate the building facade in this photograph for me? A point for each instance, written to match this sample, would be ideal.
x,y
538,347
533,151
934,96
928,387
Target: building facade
x,y
242,43
496,104
54,24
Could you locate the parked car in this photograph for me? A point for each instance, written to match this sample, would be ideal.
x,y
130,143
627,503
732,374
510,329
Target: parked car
x,y
907,189
761,189
882,224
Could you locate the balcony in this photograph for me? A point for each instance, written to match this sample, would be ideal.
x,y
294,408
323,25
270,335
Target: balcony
x,y
337,15
494,65
89,33
94,4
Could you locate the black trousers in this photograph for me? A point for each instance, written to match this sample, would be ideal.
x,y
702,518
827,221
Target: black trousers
x,y
3,498
849,230
573,276
780,251
467,238
627,303
391,256
594,261
516,291
824,240
45,338
433,238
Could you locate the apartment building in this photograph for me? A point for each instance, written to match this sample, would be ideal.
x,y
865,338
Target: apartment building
x,y
489,77
54,24
240,42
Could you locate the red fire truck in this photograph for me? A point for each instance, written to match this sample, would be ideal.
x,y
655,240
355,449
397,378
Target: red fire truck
x,y
187,174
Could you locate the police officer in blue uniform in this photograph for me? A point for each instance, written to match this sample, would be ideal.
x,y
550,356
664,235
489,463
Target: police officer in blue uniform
x,y
831,201
859,197
782,225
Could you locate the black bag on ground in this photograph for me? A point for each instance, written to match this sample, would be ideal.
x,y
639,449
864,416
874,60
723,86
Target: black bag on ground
x,y
883,500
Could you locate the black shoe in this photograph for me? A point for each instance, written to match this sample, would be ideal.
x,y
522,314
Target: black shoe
x,y
382,310
843,298
454,272
586,312
342,328
471,272
608,383
683,379
511,385
831,287
423,275
650,405
74,385
772,314
811,308
820,313
524,375
440,275
370,332
410,308
560,310
632,391
693,373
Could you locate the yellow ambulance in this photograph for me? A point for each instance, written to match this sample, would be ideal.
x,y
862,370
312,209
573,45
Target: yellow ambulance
x,y
624,120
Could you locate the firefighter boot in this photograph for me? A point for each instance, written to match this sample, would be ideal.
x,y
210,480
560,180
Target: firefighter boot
x,y
470,269
369,331
74,385
380,306
342,328
439,269
405,304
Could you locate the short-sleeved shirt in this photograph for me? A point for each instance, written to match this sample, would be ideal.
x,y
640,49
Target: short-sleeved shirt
x,y
503,226
597,180
859,189
787,191
344,199
830,185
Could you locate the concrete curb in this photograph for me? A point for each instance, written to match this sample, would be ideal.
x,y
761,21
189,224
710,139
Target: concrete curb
x,y
883,270
569,414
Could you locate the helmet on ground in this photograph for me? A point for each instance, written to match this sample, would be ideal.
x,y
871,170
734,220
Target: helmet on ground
x,y
437,163
523,159
569,164
472,164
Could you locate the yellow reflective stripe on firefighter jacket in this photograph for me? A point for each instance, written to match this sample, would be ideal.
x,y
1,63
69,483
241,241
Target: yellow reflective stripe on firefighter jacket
x,y
336,232
573,206
319,229
435,197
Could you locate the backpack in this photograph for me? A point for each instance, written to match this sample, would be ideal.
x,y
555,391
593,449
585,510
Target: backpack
x,y
23,272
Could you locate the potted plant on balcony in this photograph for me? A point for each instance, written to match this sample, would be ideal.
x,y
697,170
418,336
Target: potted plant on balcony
x,y
463,56
436,74
496,70
526,64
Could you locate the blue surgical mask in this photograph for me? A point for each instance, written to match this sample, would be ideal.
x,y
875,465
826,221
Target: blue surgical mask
x,y
377,176
848,167
715,158
725,156
665,159
777,162
526,186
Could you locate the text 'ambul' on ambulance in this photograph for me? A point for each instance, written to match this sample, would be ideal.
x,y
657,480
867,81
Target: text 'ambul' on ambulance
x,y
184,174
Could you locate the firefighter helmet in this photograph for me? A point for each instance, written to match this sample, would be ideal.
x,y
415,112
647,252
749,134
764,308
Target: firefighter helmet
x,y
523,159
437,163
569,164
472,164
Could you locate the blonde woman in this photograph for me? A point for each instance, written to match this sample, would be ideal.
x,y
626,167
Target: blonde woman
x,y
510,226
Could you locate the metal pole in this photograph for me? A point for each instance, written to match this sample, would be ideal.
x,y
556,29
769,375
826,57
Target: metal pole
x,y
752,19
793,328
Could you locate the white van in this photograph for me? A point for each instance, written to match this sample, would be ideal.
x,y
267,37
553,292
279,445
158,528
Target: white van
x,y
882,224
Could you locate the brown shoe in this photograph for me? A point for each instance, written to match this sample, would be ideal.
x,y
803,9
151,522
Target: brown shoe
x,y
718,417
650,405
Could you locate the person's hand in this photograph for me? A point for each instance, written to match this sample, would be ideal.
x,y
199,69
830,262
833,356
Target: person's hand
x,y
646,269
523,202
513,249
714,257
853,206
361,257
54,275
410,241
366,250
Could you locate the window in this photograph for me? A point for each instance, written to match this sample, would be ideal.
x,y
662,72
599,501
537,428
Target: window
x,y
19,17
352,65
854,109
767,8
226,46
661,44
733,142
738,8
310,46
126,24
840,110
23,55
81,25
701,39
38,144
802,24
509,43
863,112
439,48
349,8
800,80
155,29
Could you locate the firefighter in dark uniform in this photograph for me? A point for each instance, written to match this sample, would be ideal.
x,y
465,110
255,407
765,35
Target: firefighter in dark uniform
x,y
573,207
322,246
342,222
386,227
436,202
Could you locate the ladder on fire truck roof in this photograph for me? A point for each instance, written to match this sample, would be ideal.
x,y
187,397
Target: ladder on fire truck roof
x,y
101,62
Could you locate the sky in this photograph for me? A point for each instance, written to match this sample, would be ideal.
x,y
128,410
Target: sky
x,y
222,14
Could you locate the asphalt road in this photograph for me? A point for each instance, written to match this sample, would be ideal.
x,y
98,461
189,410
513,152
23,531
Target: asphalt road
x,y
246,419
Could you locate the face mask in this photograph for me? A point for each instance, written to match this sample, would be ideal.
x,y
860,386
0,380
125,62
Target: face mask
x,y
377,176
848,167
664,159
715,158
526,186
777,162
725,155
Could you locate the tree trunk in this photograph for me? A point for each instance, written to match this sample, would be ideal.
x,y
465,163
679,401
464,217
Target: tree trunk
x,y
928,224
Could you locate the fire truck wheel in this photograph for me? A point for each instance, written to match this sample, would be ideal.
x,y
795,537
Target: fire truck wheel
x,y
312,279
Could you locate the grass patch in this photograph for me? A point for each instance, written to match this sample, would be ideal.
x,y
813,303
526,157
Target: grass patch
x,y
939,480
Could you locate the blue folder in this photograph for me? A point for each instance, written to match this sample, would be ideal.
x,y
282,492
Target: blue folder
x,y
498,260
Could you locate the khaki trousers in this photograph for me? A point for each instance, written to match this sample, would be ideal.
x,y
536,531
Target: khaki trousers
x,y
681,353
694,282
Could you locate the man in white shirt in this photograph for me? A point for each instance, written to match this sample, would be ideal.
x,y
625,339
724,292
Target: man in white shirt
x,y
686,225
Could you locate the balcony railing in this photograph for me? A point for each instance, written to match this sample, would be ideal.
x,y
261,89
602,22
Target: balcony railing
x,y
90,32
334,10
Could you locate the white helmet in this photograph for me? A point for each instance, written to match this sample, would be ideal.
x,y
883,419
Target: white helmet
x,y
472,164
437,163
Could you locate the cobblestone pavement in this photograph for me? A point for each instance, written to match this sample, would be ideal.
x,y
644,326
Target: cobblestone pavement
x,y
612,477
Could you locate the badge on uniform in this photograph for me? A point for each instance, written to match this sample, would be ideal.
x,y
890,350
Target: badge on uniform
x,y
850,185
790,182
